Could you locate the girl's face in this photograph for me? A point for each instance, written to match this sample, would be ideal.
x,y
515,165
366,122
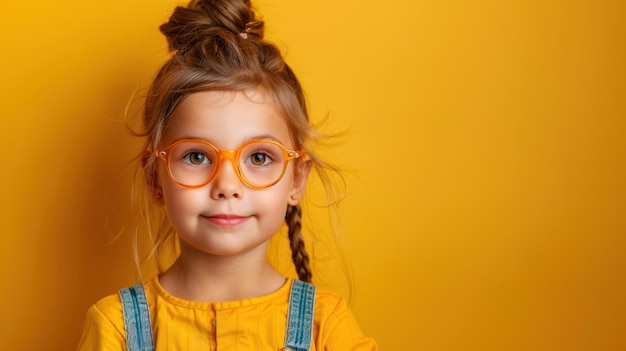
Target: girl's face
x,y
225,217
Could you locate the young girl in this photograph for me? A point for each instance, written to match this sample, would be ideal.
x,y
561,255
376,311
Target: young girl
x,y
227,159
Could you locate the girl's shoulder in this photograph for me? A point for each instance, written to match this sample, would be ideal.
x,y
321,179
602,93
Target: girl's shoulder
x,y
337,328
109,307
331,308
328,302
103,328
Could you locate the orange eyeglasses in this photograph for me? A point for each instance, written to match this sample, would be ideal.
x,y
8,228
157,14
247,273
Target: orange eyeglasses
x,y
258,164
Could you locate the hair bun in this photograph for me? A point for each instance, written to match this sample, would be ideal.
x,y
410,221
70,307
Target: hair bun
x,y
207,18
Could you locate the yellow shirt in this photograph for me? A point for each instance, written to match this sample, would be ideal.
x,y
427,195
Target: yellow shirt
x,y
252,324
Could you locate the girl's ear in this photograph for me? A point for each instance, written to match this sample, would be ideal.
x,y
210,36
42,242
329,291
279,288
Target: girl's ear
x,y
151,177
301,175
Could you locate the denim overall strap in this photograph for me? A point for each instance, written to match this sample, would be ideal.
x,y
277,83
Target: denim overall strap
x,y
136,319
299,334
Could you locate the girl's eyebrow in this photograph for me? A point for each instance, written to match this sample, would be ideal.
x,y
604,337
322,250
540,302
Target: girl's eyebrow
x,y
263,137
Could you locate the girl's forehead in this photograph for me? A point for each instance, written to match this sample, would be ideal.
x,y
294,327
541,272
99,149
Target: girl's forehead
x,y
221,98
227,119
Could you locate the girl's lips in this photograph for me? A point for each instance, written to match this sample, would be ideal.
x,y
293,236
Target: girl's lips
x,y
224,220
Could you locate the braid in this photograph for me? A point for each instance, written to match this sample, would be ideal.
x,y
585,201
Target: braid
x,y
299,255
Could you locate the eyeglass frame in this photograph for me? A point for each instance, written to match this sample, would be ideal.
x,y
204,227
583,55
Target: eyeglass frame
x,y
223,155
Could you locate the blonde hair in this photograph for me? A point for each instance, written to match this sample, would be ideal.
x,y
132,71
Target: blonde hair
x,y
220,45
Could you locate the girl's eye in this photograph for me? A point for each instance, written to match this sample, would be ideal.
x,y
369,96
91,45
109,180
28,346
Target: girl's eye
x,y
196,158
259,159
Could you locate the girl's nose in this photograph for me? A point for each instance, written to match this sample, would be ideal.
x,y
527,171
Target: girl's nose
x,y
226,184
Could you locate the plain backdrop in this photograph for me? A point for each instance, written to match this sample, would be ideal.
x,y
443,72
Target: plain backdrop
x,y
486,158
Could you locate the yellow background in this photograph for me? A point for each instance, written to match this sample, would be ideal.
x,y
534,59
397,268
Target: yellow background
x,y
486,210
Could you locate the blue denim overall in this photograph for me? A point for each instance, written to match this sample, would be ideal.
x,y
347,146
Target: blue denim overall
x,y
299,319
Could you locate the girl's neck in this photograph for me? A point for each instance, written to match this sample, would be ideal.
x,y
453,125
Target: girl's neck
x,y
217,279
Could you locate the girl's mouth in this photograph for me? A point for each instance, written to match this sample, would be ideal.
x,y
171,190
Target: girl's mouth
x,y
226,220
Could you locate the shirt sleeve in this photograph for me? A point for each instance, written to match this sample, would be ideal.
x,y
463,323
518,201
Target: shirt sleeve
x,y
101,333
341,332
